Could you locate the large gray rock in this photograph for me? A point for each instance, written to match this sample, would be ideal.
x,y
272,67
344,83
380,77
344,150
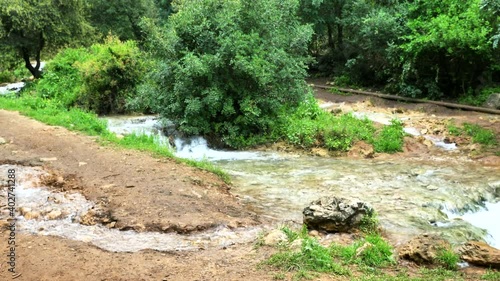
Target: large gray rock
x,y
335,214
493,101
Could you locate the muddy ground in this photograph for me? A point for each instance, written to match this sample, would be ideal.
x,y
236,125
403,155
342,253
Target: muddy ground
x,y
143,193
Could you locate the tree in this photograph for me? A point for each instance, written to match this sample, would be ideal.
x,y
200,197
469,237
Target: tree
x,y
122,17
447,48
228,67
29,26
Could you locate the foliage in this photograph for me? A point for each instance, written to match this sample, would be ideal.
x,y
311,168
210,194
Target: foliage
x,y
377,252
310,126
491,275
448,259
446,48
99,78
478,134
311,257
121,17
479,99
227,68
391,138
27,27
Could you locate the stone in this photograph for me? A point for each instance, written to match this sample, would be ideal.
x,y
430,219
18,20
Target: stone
x,y
48,159
53,215
32,215
423,249
82,164
480,253
296,245
335,214
361,149
321,152
275,237
493,101
2,141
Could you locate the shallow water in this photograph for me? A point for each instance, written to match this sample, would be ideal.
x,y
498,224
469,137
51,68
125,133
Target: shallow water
x,y
411,196
31,195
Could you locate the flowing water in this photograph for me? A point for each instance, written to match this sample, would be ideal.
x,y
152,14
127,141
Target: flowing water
x,y
445,194
32,196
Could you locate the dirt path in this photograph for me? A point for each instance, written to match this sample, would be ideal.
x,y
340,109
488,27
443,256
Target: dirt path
x,y
133,191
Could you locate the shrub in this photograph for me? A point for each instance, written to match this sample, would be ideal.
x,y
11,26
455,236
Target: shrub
x,y
228,67
391,138
100,78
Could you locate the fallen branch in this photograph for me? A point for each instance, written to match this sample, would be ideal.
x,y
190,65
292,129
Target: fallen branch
x,y
399,98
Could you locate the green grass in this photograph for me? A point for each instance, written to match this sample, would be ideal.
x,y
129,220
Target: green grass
x,y
391,138
447,259
377,252
491,275
477,133
54,113
310,126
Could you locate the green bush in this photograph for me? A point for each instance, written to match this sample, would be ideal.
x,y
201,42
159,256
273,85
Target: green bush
x,y
100,78
391,138
228,67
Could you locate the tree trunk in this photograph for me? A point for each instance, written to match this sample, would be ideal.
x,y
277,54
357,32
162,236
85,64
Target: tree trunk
x,y
331,43
35,70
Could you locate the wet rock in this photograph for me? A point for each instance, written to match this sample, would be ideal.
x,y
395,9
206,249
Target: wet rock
x,y
423,249
275,237
322,152
361,149
335,214
480,253
32,215
53,215
493,101
2,141
48,159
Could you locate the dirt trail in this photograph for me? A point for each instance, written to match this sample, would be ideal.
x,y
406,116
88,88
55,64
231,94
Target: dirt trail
x,y
137,191
134,191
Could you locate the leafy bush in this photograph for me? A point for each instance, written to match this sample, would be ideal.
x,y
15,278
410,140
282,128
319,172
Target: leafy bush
x,y
391,138
100,78
228,67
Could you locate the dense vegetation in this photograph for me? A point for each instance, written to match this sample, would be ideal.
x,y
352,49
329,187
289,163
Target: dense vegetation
x,y
234,71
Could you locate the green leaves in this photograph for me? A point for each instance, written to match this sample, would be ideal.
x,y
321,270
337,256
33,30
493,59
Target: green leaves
x,y
232,66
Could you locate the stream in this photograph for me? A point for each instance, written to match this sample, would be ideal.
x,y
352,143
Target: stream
x,y
446,195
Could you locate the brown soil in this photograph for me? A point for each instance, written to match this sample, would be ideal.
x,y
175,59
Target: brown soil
x,y
137,191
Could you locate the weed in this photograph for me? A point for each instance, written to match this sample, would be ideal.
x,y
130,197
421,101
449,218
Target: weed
x,y
454,130
290,234
491,275
479,134
448,259
376,252
312,257
279,276
369,223
391,138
